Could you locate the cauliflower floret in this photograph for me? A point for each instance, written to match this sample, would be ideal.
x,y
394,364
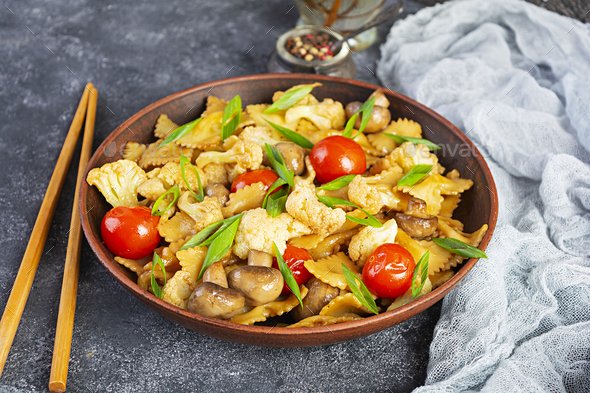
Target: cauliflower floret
x,y
214,173
326,115
152,189
261,135
241,157
204,213
303,204
368,239
258,230
171,175
118,182
406,156
364,195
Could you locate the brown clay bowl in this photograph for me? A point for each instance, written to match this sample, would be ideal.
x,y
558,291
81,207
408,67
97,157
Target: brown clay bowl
x,y
479,204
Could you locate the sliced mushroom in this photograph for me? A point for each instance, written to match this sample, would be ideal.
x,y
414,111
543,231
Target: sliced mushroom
x,y
259,284
318,296
213,298
380,117
294,156
259,258
416,221
218,190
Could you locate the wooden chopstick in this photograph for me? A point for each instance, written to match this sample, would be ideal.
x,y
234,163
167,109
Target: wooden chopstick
x,y
28,267
69,288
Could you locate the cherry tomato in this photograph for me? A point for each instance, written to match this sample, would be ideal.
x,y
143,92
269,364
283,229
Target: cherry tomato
x,y
294,258
130,231
337,156
260,175
388,271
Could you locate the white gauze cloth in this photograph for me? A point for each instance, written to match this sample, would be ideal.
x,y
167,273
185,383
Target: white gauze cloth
x,y
516,79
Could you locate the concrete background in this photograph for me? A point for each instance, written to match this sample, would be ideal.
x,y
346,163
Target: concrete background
x,y
136,52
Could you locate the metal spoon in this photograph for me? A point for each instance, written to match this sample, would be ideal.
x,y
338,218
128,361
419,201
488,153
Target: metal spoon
x,y
388,13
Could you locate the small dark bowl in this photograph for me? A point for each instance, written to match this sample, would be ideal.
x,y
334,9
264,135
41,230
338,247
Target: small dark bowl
x,y
479,204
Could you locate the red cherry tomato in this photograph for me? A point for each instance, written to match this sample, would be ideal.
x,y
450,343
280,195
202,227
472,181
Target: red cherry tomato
x,y
337,156
388,271
260,175
294,258
130,231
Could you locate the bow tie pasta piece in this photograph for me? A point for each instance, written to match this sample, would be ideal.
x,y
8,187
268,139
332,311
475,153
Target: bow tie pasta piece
x,y
180,226
439,257
327,115
431,188
304,206
344,305
164,126
133,151
244,199
258,230
329,269
439,278
269,310
203,213
118,182
324,320
135,265
154,156
473,239
206,134
402,127
183,283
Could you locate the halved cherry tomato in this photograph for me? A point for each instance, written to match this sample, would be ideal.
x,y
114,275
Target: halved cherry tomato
x,y
294,258
130,231
337,156
388,271
260,175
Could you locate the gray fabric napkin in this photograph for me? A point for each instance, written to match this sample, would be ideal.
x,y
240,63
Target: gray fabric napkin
x,y
516,79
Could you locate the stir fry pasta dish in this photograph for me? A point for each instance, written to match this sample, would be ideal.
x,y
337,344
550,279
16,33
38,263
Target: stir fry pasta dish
x,y
317,212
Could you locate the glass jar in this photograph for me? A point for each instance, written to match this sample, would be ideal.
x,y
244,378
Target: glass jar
x,y
341,65
343,16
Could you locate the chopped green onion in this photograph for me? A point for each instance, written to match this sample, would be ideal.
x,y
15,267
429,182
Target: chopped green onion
x,y
349,126
231,117
155,287
220,246
289,99
294,137
278,163
156,208
276,203
210,232
370,220
367,112
337,184
278,183
287,275
180,132
183,161
422,266
416,141
362,294
414,175
460,248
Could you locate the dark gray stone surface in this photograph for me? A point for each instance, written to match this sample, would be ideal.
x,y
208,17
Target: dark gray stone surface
x,y
137,52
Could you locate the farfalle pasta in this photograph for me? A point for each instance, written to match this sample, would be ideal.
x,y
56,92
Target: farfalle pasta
x,y
225,194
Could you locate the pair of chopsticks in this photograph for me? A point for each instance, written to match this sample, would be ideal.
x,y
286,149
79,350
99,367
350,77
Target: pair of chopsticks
x,y
26,273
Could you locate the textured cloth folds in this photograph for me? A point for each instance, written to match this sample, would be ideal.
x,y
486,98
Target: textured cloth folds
x,y
516,79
